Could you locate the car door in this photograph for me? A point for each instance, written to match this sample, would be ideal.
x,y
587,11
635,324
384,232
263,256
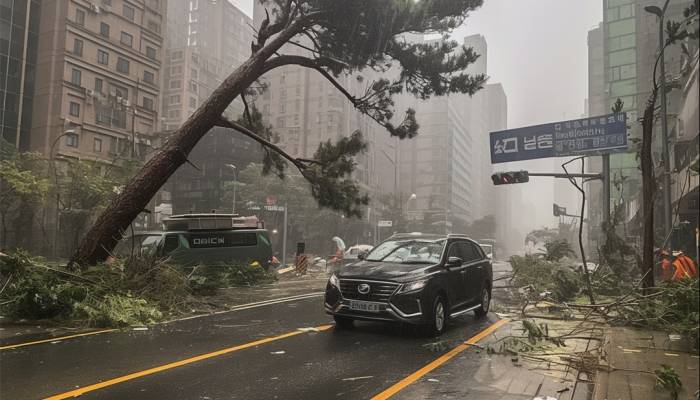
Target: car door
x,y
456,276
476,270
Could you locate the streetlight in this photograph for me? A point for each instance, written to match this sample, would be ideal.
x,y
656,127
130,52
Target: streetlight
x,y
235,182
411,197
660,13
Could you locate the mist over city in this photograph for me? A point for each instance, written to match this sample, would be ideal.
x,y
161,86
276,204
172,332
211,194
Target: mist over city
x,y
313,199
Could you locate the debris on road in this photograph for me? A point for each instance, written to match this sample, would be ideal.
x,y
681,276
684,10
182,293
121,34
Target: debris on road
x,y
308,329
278,352
357,378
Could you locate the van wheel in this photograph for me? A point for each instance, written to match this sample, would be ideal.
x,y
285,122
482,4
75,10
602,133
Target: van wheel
x,y
343,322
438,318
485,303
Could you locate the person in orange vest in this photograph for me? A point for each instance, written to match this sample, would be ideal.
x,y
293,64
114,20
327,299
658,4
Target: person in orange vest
x,y
666,266
684,267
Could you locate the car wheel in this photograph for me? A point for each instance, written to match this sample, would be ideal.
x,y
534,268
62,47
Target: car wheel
x,y
438,318
485,303
343,322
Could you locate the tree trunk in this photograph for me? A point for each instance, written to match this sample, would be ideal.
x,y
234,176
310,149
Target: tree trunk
x,y
116,218
648,189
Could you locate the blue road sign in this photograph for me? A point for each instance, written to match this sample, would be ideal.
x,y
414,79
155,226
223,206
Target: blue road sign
x,y
587,136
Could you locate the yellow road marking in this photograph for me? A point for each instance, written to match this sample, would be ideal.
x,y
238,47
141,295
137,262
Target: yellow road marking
x,y
14,346
165,367
400,385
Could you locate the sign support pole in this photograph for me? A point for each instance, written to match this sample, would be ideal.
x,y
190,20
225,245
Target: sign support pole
x,y
606,188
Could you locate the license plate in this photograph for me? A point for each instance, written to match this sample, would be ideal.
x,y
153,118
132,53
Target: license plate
x,y
365,306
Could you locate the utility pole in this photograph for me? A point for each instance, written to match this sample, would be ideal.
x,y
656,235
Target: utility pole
x,y
235,183
284,239
668,220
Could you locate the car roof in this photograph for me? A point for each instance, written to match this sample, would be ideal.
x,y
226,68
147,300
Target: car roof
x,y
418,235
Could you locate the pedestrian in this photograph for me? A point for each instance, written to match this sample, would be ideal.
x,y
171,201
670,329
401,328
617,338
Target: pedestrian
x,y
666,266
684,267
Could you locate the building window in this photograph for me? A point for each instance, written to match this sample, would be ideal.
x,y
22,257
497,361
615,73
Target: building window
x,y
153,25
174,113
193,87
176,70
74,109
148,103
123,65
193,102
120,92
149,77
79,17
104,29
128,12
76,77
102,57
175,84
97,145
194,73
78,47
98,85
151,52
72,140
174,99
127,39
195,58
176,55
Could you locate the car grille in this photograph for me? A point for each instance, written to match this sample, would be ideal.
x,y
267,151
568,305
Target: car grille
x,y
379,291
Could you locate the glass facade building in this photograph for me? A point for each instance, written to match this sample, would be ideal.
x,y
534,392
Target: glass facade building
x,y
19,24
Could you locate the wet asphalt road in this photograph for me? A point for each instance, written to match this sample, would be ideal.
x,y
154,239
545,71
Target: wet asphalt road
x,y
323,364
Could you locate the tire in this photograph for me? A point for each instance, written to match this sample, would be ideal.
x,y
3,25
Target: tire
x,y
343,322
438,317
485,303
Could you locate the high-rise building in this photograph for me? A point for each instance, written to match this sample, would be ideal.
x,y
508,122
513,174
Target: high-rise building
x,y
448,165
207,40
306,110
98,69
19,29
628,40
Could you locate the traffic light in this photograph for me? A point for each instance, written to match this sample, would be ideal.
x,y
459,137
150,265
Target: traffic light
x,y
507,178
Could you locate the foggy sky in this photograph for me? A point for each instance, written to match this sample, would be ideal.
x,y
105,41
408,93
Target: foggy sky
x,y
538,50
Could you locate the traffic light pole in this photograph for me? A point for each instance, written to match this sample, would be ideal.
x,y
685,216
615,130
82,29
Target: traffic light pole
x,y
566,176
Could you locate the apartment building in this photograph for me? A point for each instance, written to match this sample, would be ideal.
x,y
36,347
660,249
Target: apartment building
x,y
97,91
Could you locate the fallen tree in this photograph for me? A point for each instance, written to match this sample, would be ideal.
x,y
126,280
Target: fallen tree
x,y
338,38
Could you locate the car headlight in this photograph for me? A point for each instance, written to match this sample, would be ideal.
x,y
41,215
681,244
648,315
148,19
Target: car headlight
x,y
334,281
413,286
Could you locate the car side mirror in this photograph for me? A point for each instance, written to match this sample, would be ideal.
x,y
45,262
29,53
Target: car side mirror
x,y
489,256
362,255
454,261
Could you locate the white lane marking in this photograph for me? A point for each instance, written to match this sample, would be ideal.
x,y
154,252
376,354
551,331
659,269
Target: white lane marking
x,y
251,305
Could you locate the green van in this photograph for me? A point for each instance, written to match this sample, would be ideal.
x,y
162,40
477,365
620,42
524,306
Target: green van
x,y
192,239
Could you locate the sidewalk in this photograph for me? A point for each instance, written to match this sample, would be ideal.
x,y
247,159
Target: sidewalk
x,y
633,355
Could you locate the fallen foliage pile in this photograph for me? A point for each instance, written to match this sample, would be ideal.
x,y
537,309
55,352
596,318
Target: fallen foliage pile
x,y
134,291
543,276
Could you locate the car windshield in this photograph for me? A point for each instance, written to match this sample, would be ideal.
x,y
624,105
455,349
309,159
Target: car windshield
x,y
408,251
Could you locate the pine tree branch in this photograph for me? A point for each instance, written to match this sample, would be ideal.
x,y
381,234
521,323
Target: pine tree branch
x,y
226,123
318,64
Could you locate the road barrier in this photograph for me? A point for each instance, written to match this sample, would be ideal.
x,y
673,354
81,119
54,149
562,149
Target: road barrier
x,y
301,264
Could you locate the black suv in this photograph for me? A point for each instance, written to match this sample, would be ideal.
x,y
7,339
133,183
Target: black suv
x,y
413,278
